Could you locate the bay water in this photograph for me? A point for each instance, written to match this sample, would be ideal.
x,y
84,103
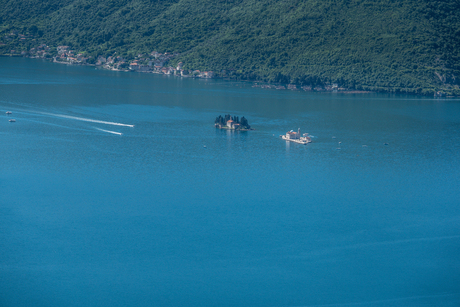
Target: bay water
x,y
117,190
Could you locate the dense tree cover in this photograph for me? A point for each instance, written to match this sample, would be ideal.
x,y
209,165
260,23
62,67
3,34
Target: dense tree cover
x,y
388,45
222,121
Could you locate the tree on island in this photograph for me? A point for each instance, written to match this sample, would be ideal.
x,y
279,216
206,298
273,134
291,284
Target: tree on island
x,y
244,123
222,121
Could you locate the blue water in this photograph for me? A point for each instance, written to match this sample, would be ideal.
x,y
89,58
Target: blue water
x,y
151,217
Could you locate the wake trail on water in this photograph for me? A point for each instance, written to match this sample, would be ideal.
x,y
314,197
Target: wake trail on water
x,y
85,119
55,125
108,131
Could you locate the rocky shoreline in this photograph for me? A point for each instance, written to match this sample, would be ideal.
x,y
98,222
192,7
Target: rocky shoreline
x,y
159,63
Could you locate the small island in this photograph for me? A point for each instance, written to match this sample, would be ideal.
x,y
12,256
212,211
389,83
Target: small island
x,y
295,137
232,123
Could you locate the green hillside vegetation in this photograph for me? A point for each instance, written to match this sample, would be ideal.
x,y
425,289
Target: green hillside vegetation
x,y
382,45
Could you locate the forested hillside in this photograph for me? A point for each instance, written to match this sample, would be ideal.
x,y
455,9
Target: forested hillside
x,y
387,45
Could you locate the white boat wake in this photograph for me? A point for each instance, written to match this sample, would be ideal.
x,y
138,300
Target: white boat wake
x,y
108,131
86,119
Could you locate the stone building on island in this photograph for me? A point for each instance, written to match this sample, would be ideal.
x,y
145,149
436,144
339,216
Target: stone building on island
x,y
232,122
293,135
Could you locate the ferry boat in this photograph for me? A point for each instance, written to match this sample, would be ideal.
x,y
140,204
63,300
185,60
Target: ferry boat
x,y
295,137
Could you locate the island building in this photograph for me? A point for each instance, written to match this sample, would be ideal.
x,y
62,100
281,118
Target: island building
x,y
232,122
232,125
296,137
293,135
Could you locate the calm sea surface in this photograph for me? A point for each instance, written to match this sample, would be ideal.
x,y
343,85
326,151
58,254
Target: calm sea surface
x,y
94,212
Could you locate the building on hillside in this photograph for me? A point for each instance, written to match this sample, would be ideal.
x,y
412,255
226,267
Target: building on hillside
x,y
134,66
207,74
144,68
62,49
167,70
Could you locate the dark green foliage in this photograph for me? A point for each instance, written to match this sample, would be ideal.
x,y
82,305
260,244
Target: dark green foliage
x,y
223,121
383,45
244,123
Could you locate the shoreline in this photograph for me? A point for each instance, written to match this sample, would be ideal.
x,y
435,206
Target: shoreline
x,y
227,128
260,84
